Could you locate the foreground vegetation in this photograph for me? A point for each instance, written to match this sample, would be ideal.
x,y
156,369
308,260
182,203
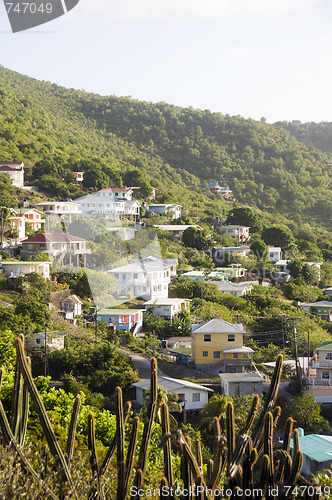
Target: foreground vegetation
x,y
242,458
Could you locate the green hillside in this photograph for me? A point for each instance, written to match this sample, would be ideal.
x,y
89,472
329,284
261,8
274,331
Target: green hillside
x,y
317,135
56,131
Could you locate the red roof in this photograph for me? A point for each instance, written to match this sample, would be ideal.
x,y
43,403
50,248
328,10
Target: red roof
x,y
113,190
9,166
17,163
75,299
53,238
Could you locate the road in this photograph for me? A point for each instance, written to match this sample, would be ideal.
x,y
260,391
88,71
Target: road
x,y
142,364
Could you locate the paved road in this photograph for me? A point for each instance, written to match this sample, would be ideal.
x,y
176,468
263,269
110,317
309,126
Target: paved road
x,y
142,364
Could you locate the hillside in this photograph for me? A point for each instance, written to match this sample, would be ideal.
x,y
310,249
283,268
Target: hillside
x,y
57,130
317,135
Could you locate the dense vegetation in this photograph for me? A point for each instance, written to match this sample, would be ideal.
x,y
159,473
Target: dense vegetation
x,y
119,140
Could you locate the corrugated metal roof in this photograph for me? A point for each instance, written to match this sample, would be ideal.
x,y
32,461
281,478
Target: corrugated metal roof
x,y
325,346
118,312
170,384
217,326
241,377
149,264
318,447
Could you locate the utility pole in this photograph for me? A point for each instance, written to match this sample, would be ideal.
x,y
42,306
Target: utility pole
x,y
295,349
154,344
283,334
308,353
45,355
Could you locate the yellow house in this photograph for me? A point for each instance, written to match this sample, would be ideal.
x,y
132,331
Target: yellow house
x,y
218,346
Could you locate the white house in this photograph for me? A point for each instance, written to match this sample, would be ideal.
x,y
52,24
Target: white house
x,y
167,308
193,396
60,208
54,340
15,170
238,290
147,278
101,205
132,209
71,306
18,268
241,384
17,225
275,253
166,209
123,193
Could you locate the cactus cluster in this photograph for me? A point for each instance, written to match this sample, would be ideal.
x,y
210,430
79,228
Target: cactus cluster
x,y
244,461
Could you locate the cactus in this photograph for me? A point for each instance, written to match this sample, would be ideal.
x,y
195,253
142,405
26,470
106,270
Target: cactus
x,y
111,450
131,454
147,431
269,401
168,470
163,491
230,430
251,415
72,429
238,454
43,417
120,447
288,434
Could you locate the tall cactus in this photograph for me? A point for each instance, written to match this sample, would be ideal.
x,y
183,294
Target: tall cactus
x,y
151,414
43,417
72,429
165,428
120,447
230,430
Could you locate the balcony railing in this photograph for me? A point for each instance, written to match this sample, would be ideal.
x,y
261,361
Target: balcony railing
x,y
319,381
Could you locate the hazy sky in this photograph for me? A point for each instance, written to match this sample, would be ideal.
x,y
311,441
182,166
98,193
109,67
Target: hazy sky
x,y
253,58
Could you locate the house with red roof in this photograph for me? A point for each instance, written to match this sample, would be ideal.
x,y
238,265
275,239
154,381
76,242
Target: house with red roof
x,y
66,248
15,170
71,307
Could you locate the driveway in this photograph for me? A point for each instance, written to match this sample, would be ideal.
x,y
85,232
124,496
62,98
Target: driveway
x,y
142,364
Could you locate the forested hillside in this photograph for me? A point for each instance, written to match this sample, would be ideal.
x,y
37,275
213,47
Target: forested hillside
x,y
317,135
119,140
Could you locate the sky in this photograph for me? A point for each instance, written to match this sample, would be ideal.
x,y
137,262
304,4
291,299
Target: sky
x,y
254,58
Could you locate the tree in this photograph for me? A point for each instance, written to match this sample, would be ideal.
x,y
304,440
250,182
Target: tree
x,y
96,179
195,238
279,236
245,216
260,250
306,413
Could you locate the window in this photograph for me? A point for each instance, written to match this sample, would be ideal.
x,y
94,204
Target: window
x,y
235,356
205,354
135,276
37,341
328,355
196,397
216,354
207,338
231,337
326,375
